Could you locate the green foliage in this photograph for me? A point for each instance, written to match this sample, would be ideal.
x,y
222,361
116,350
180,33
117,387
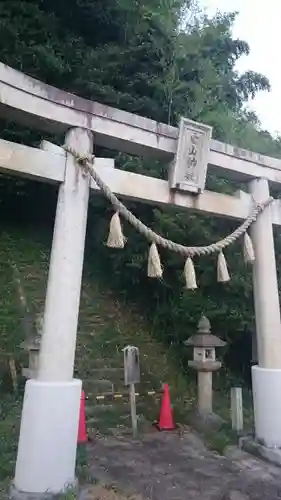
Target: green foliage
x,y
9,423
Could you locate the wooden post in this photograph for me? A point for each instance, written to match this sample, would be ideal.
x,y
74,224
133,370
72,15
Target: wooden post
x,y
133,410
237,409
13,372
132,377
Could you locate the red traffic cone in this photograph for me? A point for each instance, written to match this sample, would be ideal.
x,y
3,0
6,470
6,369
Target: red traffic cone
x,y
166,420
82,431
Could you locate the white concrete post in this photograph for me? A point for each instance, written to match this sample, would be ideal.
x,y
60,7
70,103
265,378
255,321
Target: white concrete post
x,y
49,425
63,292
267,374
236,396
266,297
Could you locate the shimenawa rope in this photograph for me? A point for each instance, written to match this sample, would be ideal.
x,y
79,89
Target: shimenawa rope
x,y
117,240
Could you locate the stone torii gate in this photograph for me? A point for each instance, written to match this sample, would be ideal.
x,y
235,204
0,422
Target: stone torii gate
x,y
48,434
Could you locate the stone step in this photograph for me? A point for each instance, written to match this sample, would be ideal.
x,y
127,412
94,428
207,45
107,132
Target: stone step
x,y
103,363
121,404
99,386
96,371
106,414
87,317
116,376
97,409
122,394
108,371
107,388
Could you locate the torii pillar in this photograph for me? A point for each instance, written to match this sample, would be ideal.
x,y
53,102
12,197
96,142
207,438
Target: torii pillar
x,y
49,424
266,376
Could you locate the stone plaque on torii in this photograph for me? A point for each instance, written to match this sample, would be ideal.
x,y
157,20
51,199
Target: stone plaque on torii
x,y
189,166
47,447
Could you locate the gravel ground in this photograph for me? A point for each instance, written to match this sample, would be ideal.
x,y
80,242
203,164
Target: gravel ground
x,y
167,466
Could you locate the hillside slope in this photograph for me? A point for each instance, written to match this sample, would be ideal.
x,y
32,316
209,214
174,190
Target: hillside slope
x,y
105,327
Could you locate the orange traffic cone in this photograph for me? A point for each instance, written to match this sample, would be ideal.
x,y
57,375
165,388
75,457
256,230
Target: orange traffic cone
x,y
82,431
166,420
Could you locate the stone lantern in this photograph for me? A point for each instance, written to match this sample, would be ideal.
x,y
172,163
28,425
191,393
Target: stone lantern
x,y
205,362
32,345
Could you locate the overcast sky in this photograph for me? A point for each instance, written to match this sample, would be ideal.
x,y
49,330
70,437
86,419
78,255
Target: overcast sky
x,y
259,24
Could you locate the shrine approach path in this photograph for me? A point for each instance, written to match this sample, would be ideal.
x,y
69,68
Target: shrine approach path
x,y
170,466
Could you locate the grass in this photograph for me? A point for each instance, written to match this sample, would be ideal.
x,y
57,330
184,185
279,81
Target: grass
x,y
10,408
106,325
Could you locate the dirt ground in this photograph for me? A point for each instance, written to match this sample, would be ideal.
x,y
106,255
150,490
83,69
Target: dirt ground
x,y
167,466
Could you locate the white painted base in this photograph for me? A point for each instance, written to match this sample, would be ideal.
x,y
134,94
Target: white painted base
x,y
48,436
267,405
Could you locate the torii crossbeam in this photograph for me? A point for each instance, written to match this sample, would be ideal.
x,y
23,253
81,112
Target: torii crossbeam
x,y
48,435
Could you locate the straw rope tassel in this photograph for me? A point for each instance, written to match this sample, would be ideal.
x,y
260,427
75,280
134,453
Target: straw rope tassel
x,y
222,271
189,274
115,239
249,253
154,267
